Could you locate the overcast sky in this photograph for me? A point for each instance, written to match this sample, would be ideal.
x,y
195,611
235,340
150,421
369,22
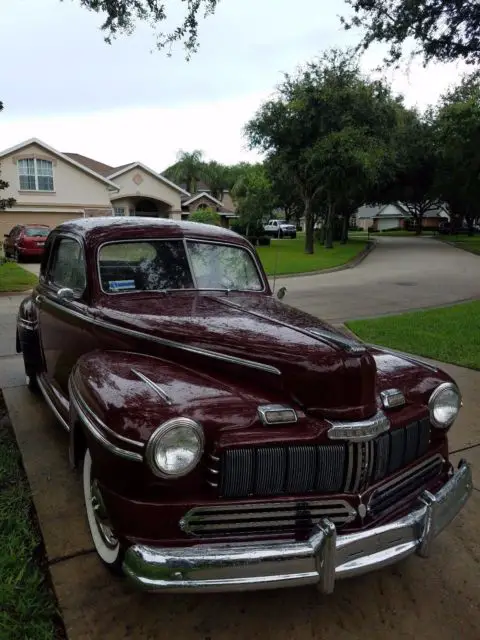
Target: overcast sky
x,y
62,83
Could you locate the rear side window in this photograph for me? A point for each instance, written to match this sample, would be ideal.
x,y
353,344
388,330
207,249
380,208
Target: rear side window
x,y
67,268
153,265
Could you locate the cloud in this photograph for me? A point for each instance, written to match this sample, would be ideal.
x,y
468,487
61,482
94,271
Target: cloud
x,y
63,84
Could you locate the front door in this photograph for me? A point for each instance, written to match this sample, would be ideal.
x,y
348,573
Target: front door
x,y
64,324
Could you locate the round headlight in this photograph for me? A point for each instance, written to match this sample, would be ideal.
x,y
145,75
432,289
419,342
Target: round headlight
x,y
444,405
175,448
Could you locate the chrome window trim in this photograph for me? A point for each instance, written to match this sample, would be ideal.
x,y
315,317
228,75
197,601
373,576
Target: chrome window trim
x,y
184,240
96,433
153,385
49,401
57,239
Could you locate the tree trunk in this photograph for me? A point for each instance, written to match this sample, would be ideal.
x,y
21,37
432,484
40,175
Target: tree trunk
x,y
418,225
329,226
309,227
344,238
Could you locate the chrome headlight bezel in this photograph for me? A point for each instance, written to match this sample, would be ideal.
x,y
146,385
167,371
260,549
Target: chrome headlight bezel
x,y
157,436
446,386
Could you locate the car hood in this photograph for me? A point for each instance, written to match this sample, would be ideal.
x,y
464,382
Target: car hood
x,y
315,365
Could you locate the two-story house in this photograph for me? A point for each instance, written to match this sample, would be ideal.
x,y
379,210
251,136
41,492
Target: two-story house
x,y
51,186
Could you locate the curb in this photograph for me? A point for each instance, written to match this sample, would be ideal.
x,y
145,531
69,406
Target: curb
x,y
7,294
421,358
456,246
354,262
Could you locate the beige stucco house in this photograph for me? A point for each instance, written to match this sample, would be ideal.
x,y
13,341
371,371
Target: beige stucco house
x,y
50,187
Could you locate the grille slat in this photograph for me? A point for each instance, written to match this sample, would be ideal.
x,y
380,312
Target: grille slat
x,y
331,468
390,493
302,469
286,517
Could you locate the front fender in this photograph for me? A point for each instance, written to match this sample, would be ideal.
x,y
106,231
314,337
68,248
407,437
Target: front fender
x,y
128,395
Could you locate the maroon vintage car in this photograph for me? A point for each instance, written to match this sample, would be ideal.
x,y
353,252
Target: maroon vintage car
x,y
229,441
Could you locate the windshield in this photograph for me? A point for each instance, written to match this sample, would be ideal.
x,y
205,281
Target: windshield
x,y
36,232
159,265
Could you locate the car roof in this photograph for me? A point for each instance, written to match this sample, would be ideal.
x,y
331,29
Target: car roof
x,y
105,229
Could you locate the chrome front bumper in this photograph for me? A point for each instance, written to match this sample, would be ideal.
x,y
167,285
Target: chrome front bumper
x,y
320,560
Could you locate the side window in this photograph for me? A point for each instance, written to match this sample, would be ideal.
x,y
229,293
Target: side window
x,y
67,268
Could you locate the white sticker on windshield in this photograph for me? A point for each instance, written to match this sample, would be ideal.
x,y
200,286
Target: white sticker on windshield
x,y
121,285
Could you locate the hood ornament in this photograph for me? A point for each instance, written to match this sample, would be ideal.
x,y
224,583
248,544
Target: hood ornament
x,y
360,430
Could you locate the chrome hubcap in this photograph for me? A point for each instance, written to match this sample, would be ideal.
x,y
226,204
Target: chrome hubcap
x,y
101,517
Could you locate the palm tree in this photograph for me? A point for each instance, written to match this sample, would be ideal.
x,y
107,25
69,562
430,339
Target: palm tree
x,y
188,169
217,178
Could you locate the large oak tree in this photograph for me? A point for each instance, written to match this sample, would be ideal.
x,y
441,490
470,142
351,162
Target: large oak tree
x,y
442,30
122,16
330,129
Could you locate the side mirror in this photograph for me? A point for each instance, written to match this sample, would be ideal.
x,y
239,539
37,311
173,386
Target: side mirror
x,y
281,293
65,293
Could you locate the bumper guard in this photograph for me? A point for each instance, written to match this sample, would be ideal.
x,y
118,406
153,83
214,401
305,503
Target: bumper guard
x,y
320,560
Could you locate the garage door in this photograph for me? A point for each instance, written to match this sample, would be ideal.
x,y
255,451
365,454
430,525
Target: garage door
x,y
9,219
388,223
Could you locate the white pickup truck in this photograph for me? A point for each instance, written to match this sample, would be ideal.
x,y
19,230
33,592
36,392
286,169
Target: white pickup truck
x,y
280,229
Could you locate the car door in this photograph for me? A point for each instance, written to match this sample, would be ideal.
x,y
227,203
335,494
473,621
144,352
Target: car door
x,y
10,240
64,316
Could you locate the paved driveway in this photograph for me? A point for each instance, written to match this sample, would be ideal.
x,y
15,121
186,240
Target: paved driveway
x,y
436,599
400,274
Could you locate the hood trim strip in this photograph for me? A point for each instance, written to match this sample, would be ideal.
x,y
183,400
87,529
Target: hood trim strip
x,y
341,342
252,364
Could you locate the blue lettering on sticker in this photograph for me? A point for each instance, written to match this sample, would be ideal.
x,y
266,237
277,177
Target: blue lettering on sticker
x,y
121,285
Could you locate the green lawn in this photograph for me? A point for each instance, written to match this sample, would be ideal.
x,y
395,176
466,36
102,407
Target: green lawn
x,y
14,278
465,242
449,334
27,605
287,256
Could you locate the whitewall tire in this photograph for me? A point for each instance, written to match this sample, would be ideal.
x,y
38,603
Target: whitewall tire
x,y
104,539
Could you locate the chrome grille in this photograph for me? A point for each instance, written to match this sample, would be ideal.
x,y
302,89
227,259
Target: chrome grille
x,y
390,493
265,518
330,468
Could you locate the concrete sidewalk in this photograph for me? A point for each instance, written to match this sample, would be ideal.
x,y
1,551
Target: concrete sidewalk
x,y
437,599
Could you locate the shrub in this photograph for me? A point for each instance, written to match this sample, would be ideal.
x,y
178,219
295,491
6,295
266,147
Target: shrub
x,y
264,241
253,240
206,216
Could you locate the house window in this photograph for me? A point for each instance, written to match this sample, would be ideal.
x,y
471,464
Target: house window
x,y
35,174
119,211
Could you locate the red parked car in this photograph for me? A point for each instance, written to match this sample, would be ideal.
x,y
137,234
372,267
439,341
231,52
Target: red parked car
x,y
25,241
227,440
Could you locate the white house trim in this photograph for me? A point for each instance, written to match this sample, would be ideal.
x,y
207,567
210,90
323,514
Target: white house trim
x,y
151,172
202,194
61,155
